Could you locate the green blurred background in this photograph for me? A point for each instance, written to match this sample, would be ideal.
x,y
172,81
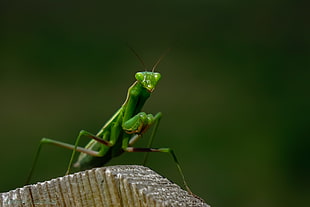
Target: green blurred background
x,y
234,90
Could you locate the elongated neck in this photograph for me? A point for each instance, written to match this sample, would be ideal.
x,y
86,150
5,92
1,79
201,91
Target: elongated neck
x,y
136,97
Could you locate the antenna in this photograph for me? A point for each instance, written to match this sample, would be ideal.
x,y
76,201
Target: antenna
x,y
161,57
136,54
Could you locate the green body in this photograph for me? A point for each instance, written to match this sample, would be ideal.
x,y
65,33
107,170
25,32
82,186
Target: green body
x,y
126,123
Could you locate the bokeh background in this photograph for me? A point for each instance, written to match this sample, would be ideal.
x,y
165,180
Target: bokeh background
x,y
234,90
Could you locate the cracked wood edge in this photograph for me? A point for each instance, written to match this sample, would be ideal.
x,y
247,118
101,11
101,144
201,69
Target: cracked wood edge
x,y
122,185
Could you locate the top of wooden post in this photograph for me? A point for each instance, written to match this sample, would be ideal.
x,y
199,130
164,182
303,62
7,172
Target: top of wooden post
x,y
123,185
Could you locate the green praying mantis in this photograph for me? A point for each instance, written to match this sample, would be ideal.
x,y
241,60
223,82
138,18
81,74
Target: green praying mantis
x,y
120,132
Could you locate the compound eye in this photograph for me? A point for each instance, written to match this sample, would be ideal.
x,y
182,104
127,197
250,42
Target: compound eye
x,y
139,76
157,76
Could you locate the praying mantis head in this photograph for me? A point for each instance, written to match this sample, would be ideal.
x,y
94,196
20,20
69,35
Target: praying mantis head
x,y
148,79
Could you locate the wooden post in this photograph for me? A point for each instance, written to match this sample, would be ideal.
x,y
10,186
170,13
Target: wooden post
x,y
123,185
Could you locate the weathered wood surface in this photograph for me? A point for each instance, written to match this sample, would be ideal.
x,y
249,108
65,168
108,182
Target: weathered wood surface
x,y
123,185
